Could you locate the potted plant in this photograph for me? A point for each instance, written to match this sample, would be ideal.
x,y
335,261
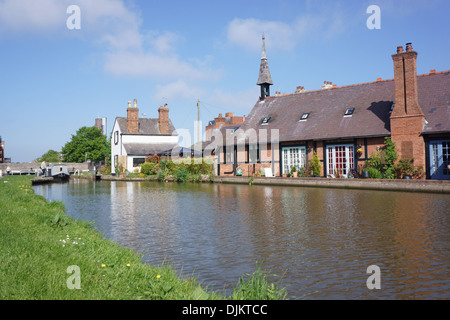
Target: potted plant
x,y
294,172
120,171
359,152
405,168
365,173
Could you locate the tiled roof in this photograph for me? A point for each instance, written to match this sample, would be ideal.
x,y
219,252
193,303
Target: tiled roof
x,y
372,102
146,126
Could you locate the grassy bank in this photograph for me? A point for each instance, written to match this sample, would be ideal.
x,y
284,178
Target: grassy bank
x,y
39,242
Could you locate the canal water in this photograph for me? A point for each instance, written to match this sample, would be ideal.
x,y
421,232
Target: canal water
x,y
319,241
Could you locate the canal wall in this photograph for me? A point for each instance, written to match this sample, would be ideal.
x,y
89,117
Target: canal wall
x,y
431,186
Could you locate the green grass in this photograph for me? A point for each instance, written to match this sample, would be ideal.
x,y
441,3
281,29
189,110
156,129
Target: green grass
x,y
39,242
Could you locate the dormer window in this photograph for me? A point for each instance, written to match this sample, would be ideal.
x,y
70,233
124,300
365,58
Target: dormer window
x,y
211,123
266,120
304,117
349,112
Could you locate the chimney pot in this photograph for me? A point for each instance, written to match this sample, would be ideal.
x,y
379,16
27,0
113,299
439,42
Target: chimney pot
x,y
432,71
379,79
129,104
135,103
399,49
409,47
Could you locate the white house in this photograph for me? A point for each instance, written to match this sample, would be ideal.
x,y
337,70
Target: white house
x,y
134,138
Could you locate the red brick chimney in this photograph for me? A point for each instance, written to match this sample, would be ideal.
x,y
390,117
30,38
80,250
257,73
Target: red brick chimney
x,y
133,118
407,118
220,120
163,120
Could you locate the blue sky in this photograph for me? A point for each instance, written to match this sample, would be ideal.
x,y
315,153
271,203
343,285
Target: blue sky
x,y
54,80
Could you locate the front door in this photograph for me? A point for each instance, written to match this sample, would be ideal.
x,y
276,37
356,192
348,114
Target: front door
x,y
293,157
340,159
440,160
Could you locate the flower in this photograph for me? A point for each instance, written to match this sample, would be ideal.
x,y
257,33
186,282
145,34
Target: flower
x,y
128,265
158,276
103,265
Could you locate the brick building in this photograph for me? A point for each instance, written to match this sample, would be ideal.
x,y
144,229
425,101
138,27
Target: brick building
x,y
230,120
336,122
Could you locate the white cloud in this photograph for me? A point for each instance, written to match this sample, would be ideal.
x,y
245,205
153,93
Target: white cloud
x,y
26,15
283,35
178,90
113,27
146,63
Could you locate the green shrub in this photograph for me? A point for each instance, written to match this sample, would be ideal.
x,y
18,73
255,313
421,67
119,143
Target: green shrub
x,y
171,168
149,168
163,164
182,174
162,174
374,161
375,173
382,162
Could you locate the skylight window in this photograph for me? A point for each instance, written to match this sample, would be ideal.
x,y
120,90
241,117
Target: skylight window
x,y
304,116
266,120
392,108
349,111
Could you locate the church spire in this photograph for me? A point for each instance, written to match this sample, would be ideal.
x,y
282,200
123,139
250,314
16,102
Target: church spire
x,y
264,79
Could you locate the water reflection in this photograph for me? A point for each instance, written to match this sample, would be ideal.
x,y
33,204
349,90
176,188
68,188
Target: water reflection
x,y
320,240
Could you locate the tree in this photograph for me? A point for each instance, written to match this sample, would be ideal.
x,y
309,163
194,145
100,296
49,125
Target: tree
x,y
50,156
87,143
314,165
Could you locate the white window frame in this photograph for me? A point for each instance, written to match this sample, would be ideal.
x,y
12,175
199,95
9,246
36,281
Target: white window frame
x,y
333,158
228,154
293,156
253,153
